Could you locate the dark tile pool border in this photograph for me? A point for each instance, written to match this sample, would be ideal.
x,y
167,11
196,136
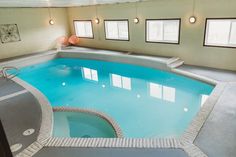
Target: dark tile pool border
x,y
185,142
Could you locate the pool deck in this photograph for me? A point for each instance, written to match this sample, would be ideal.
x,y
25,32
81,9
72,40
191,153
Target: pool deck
x,y
20,110
217,137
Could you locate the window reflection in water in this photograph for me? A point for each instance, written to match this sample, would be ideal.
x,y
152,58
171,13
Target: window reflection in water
x,y
121,81
89,74
162,92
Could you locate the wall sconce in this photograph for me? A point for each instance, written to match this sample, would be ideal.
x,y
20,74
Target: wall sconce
x,y
136,20
192,19
51,21
97,21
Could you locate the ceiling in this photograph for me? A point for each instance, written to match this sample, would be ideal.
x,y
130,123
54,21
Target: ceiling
x,y
58,3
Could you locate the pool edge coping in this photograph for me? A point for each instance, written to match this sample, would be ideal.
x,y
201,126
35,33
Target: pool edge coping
x,y
185,142
46,126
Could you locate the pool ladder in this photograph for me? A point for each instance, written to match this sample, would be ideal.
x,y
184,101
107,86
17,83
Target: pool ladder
x,y
3,72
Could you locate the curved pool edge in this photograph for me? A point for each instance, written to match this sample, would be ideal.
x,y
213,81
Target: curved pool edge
x,y
190,134
46,126
107,118
185,142
195,76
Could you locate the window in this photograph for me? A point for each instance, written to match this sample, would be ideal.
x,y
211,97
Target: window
x,y
83,29
121,81
162,92
90,74
220,32
117,30
163,31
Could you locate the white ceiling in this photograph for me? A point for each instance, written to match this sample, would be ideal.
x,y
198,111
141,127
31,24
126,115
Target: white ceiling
x,y
58,3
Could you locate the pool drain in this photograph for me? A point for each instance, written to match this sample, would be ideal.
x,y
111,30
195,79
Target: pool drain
x,y
28,132
16,147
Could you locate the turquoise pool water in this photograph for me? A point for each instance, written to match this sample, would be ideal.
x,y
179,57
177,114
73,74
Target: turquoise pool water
x,y
144,102
78,124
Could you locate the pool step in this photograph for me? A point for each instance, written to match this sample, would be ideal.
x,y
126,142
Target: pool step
x,y
174,62
171,60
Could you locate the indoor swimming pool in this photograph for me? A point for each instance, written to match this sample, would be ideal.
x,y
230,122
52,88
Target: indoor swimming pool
x,y
144,102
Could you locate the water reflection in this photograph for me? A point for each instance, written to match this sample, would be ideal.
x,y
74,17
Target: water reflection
x,y
162,92
203,99
121,81
89,74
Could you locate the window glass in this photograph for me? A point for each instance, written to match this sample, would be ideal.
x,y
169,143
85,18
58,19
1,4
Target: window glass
x,y
220,32
233,34
83,29
117,30
166,31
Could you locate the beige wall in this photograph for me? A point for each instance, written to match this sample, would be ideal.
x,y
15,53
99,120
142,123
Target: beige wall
x,y
191,48
35,32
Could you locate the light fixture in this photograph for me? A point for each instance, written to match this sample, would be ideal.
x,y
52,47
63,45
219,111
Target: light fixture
x,y
51,21
193,18
136,19
96,19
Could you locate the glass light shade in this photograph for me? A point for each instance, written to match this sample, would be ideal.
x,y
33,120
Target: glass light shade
x,y
51,22
97,21
192,19
136,20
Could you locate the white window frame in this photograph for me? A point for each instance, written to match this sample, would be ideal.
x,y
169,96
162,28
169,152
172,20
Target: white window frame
x,y
119,38
76,31
162,41
228,45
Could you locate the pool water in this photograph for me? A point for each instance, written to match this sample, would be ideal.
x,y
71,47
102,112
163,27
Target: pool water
x,y
144,102
79,124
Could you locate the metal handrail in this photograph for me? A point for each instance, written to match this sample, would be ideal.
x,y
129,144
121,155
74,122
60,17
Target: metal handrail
x,y
9,76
